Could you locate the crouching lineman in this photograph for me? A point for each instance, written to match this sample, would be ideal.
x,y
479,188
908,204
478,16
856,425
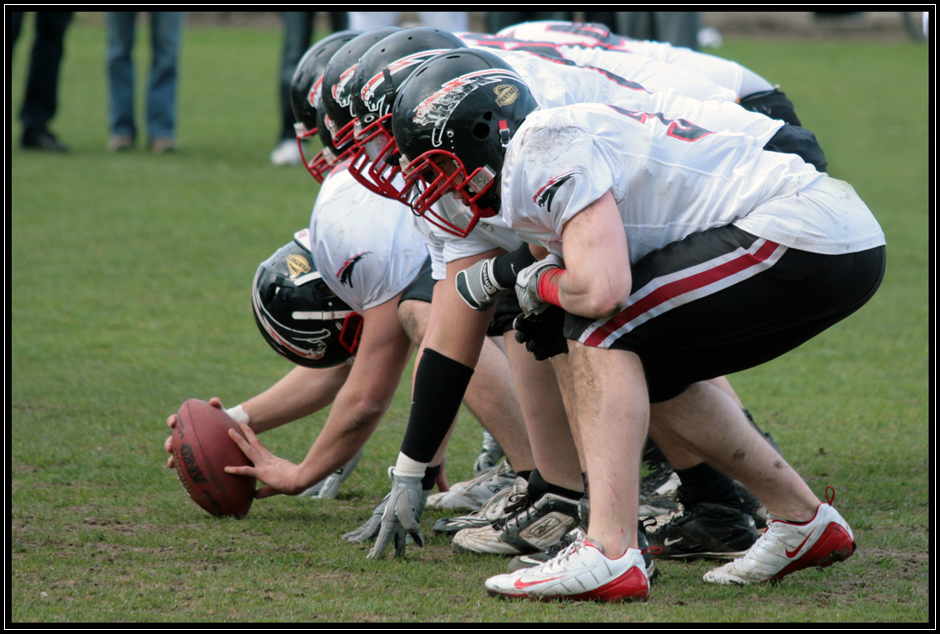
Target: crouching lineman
x,y
560,479
305,321
714,517
681,249
383,276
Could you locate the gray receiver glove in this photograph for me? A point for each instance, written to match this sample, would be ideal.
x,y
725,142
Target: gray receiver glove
x,y
401,516
368,531
329,486
527,285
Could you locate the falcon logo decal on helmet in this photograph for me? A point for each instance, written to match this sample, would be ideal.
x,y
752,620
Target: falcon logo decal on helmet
x,y
340,91
313,97
377,83
436,109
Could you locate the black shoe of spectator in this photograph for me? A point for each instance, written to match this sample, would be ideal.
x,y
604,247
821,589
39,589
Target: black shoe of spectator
x,y
41,140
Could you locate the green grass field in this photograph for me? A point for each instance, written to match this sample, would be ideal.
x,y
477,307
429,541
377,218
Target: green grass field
x,y
130,293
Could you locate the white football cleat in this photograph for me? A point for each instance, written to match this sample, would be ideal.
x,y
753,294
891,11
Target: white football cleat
x,y
580,572
527,527
493,510
473,494
786,547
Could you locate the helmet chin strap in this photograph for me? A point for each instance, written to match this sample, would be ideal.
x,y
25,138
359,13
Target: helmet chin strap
x,y
503,134
490,203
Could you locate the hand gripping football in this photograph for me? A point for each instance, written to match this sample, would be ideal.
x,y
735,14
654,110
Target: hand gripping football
x,y
202,449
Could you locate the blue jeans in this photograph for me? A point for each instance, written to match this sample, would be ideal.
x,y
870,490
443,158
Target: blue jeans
x,y
166,27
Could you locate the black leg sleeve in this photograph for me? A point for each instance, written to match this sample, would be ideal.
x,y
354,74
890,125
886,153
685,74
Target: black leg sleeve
x,y
440,384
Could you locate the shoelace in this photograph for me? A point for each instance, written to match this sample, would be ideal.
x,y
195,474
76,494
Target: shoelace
x,y
518,504
566,540
562,556
493,503
684,516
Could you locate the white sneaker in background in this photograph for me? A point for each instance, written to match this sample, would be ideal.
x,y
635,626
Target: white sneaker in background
x,y
286,153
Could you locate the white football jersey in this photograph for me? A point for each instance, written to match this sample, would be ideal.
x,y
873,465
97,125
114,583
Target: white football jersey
x,y
560,32
365,246
554,85
722,72
446,247
651,74
670,177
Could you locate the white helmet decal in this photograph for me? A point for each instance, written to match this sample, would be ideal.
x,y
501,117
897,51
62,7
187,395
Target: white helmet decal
x,y
376,83
437,109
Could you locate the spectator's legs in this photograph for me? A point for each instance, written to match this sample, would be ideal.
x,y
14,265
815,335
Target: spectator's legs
x,y
121,27
166,29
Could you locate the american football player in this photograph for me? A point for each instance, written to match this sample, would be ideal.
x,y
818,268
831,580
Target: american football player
x,y
381,71
372,274
536,387
304,320
682,244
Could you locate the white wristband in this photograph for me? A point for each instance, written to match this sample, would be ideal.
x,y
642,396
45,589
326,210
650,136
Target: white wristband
x,y
238,414
407,467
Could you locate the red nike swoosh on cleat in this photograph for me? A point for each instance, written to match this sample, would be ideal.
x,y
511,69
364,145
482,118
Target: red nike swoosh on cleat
x,y
792,553
520,584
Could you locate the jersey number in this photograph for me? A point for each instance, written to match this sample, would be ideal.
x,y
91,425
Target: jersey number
x,y
678,128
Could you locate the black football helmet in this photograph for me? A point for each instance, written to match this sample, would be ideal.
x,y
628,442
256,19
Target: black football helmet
x,y
452,120
329,156
305,93
337,88
297,313
380,71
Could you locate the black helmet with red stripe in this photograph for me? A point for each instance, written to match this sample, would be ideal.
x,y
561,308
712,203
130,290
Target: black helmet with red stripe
x,y
380,72
297,313
452,120
305,94
336,92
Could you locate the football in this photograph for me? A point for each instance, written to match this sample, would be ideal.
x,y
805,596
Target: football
x,y
201,450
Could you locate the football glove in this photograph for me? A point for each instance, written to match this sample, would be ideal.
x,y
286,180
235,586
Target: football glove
x,y
329,486
368,531
401,516
527,285
543,335
478,287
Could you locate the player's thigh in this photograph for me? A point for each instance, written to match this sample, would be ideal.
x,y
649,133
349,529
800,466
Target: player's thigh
x,y
414,307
